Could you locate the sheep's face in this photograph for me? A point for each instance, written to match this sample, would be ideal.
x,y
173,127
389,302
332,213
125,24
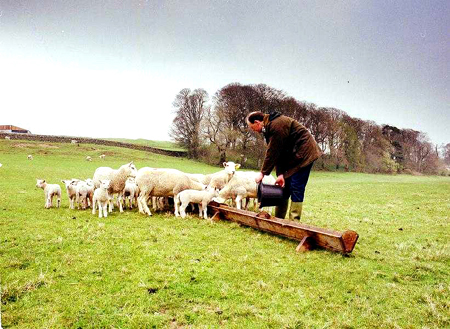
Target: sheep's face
x,y
66,182
215,192
218,199
105,184
40,183
231,167
131,180
90,182
133,170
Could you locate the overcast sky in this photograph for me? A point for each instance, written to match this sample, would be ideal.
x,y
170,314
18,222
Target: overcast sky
x,y
112,68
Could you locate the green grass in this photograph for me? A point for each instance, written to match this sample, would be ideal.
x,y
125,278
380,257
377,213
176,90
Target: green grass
x,y
63,268
164,145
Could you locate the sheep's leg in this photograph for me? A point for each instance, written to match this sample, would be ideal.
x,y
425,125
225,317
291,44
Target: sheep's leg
x,y
238,201
247,202
119,200
154,201
144,200
183,210
200,209
93,205
105,210
59,200
139,203
100,208
176,207
205,210
176,201
111,204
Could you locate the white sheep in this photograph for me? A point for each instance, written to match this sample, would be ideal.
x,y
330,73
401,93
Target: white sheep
x,y
130,192
7,137
50,190
90,191
73,141
202,198
101,198
30,157
88,158
221,178
117,177
102,156
81,194
242,186
71,191
201,178
162,183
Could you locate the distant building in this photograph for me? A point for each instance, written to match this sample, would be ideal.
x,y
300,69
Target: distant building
x,y
13,129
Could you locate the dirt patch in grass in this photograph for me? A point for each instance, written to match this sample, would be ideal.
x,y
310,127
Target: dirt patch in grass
x,y
48,146
21,145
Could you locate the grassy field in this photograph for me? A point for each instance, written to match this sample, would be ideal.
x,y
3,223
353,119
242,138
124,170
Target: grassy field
x,y
164,145
63,268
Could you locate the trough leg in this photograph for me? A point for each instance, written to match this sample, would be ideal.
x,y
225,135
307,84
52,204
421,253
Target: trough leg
x,y
306,244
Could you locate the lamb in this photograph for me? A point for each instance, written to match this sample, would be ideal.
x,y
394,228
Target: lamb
x,y
7,137
71,191
88,158
221,178
117,178
130,192
202,198
102,157
242,185
30,157
74,141
162,182
81,194
50,190
90,191
102,198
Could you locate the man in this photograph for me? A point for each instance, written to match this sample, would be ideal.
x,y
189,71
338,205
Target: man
x,y
292,150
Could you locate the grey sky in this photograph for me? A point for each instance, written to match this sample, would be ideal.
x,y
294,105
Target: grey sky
x,y
113,68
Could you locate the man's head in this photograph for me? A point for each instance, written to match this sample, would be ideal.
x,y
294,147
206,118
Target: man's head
x,y
255,121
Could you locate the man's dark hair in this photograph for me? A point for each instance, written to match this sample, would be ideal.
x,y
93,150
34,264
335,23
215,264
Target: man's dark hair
x,y
255,116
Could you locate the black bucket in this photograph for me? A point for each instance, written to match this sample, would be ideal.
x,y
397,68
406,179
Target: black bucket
x,y
269,195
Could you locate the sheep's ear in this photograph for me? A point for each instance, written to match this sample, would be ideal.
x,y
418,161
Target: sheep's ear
x,y
238,166
43,181
224,164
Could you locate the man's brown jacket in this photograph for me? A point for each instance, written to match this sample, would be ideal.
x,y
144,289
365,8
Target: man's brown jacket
x,y
290,145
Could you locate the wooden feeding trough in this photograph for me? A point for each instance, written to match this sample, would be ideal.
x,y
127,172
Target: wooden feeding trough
x,y
309,236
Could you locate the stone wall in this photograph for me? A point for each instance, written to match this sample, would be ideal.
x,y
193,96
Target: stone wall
x,y
85,140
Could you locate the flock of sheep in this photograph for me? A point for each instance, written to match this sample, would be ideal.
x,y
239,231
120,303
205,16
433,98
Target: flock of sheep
x,y
156,185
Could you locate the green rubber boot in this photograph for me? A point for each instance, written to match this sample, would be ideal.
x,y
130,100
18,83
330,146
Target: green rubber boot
x,y
281,209
295,213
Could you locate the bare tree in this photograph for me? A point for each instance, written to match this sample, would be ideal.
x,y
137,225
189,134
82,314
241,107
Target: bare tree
x,y
189,108
446,153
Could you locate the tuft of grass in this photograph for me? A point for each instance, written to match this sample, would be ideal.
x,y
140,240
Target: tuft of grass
x,y
63,268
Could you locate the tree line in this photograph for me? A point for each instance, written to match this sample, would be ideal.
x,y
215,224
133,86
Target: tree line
x,y
214,130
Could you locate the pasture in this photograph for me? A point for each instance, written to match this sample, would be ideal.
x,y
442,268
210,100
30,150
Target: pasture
x,y
63,268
